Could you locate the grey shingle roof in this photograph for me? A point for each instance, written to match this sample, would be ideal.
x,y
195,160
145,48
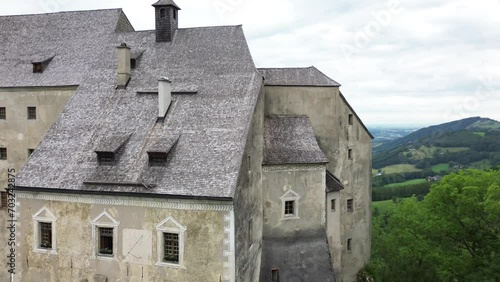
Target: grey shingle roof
x,y
74,39
111,143
291,140
310,76
298,259
166,3
212,124
333,184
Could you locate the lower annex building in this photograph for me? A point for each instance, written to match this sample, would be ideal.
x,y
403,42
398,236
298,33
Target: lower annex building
x,y
176,159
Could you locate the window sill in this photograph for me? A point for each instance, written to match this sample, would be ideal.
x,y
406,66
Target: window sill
x,y
167,264
45,251
105,257
289,217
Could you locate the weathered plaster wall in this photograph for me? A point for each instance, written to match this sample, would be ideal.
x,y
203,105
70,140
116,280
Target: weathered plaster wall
x,y
204,254
329,117
248,201
18,134
334,230
308,181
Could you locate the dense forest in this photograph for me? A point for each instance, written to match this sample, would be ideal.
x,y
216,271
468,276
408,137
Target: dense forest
x,y
451,234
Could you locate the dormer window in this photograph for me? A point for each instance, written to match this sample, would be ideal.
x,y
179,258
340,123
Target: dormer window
x,y
37,68
159,151
110,148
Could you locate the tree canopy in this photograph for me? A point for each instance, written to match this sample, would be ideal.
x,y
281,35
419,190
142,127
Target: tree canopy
x,y
452,235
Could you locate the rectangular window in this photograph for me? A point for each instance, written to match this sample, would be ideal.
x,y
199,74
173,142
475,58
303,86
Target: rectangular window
x,y
105,241
351,119
3,199
31,112
349,246
157,158
30,151
3,113
250,231
106,158
37,68
350,205
275,275
332,205
171,247
45,235
289,207
3,153
349,154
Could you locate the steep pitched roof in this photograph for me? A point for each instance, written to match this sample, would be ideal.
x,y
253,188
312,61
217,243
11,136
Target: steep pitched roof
x,y
310,76
166,3
291,140
297,259
333,184
73,39
212,123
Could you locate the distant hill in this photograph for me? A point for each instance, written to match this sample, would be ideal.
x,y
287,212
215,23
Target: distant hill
x,y
462,143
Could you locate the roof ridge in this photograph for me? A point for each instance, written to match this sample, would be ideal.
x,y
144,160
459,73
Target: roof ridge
x,y
61,12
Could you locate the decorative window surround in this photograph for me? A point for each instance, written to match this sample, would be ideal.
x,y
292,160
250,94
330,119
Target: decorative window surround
x,y
107,221
170,225
44,216
290,196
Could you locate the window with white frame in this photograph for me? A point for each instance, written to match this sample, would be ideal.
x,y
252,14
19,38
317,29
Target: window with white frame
x,y
290,205
44,231
170,243
104,236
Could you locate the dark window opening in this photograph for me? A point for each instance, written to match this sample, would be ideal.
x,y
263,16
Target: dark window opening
x,y
3,199
349,154
332,205
106,158
275,275
350,205
175,14
133,63
105,241
162,13
37,67
31,112
250,231
3,153
351,118
30,151
157,158
289,207
3,113
46,235
171,247
349,246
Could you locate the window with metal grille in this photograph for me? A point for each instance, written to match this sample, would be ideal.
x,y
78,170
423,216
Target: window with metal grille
x,y
157,158
46,235
289,207
3,153
106,158
275,275
332,205
3,113
350,206
105,241
31,112
171,247
3,199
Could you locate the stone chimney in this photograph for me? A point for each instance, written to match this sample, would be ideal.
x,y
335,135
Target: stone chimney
x,y
164,96
123,66
167,21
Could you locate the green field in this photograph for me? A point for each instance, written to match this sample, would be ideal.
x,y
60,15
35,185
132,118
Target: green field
x,y
440,167
382,206
484,164
405,183
480,133
399,168
428,152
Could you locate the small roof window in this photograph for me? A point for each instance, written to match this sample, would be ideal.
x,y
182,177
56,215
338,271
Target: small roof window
x,y
160,149
109,148
41,63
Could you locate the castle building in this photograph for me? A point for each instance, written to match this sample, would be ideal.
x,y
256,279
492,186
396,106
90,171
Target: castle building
x,y
167,155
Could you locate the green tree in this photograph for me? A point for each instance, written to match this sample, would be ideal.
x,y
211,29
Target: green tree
x,y
452,235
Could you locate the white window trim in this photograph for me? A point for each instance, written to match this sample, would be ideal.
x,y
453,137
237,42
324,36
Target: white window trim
x,y
109,223
37,219
290,195
160,242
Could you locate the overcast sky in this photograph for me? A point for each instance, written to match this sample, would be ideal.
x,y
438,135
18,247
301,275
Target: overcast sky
x,y
399,62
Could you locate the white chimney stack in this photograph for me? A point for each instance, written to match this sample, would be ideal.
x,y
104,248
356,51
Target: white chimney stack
x,y
124,68
164,96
